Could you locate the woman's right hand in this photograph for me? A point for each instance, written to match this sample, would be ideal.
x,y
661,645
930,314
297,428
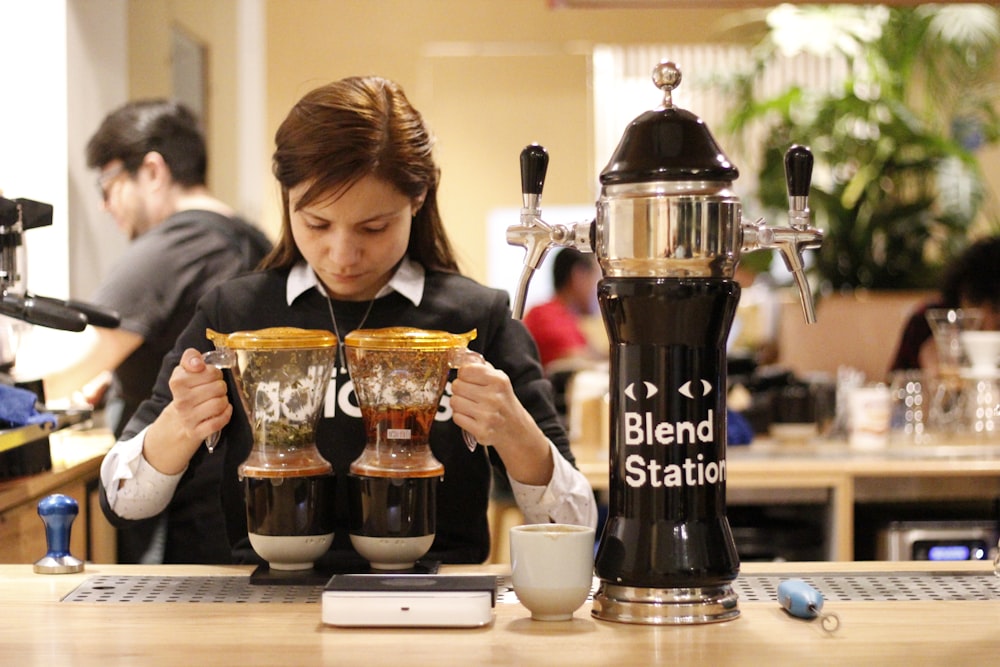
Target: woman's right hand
x,y
199,408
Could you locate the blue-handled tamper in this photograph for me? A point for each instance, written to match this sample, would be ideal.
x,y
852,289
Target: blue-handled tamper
x,y
57,512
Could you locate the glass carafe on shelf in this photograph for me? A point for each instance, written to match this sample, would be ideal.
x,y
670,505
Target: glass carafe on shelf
x,y
281,375
981,383
946,416
399,375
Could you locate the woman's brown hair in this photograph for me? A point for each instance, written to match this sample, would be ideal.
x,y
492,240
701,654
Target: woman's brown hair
x,y
349,129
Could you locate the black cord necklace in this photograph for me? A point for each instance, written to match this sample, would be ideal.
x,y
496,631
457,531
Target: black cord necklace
x,y
341,355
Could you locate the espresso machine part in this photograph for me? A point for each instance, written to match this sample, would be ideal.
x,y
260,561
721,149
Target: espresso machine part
x,y
16,216
399,375
281,375
18,308
668,235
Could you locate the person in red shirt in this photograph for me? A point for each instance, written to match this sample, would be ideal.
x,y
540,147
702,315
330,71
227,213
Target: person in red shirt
x,y
555,324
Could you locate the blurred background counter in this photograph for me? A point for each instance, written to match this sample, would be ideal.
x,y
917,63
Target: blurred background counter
x,y
825,501
76,454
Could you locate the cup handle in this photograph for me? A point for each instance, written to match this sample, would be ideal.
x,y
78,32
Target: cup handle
x,y
220,359
463,357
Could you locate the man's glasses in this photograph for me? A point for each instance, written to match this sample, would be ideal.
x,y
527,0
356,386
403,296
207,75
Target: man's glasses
x,y
106,178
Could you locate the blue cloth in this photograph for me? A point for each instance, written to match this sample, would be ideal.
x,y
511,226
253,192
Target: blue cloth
x,y
17,408
738,429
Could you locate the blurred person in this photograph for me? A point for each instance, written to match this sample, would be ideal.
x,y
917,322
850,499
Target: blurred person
x,y
556,324
151,160
971,281
754,332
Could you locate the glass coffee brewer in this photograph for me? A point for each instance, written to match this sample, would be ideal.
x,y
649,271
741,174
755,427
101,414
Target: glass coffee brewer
x,y
399,375
668,235
281,375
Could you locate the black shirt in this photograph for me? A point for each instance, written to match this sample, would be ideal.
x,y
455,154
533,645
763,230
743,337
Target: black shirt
x,y
451,303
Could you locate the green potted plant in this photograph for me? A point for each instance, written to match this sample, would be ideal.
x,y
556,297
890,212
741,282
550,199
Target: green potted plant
x,y
897,187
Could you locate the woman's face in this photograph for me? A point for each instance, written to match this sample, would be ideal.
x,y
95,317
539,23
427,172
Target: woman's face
x,y
353,241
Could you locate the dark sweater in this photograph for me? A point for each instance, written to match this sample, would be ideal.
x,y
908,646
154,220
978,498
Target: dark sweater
x,y
207,513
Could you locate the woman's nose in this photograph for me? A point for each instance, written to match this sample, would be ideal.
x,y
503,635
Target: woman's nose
x,y
343,250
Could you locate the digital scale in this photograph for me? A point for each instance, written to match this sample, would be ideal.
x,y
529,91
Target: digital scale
x,y
407,600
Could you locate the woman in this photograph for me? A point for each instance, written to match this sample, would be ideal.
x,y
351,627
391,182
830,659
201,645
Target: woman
x,y
362,245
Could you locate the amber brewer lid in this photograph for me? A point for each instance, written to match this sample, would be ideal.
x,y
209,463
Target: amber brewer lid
x,y
273,338
408,338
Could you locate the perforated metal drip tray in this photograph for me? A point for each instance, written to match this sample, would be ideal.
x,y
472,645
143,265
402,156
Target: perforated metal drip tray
x,y
835,586
877,586
109,588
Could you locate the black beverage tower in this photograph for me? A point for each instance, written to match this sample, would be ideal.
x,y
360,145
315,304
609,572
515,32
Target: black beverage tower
x,y
668,234
667,526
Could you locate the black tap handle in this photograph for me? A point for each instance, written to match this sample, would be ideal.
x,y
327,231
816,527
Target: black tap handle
x,y
534,164
798,170
31,213
97,316
44,313
34,213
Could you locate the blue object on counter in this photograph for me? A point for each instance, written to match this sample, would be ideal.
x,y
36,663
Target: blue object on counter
x,y
18,408
57,512
738,429
801,600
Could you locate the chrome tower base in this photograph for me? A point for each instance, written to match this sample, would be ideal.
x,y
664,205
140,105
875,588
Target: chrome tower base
x,y
664,606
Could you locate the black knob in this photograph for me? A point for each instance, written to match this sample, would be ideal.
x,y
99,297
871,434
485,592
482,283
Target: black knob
x,y
96,315
534,164
798,170
46,313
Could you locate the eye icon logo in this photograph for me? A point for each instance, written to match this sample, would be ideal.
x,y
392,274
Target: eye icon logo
x,y
687,391
650,388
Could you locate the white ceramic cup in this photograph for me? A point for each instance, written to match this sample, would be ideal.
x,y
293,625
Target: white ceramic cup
x,y
552,568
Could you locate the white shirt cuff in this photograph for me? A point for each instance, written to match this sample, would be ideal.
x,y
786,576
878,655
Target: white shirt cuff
x,y
134,488
568,497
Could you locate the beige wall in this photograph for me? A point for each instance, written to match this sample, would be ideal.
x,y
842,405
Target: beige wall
x,y
214,24
490,77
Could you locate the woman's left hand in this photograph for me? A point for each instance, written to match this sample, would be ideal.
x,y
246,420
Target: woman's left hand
x,y
484,404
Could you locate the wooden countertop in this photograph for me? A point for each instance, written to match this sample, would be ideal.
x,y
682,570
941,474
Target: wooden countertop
x,y
37,629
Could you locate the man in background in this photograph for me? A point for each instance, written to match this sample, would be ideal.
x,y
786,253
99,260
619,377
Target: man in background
x,y
151,160
556,324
